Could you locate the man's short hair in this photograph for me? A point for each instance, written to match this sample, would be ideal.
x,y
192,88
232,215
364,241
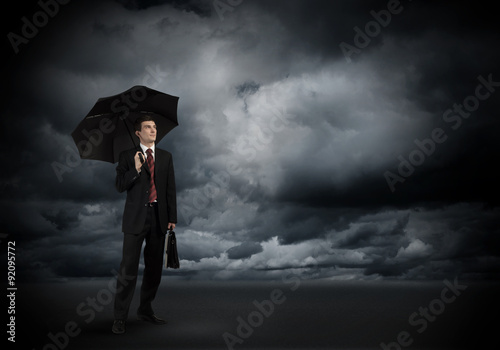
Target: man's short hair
x,y
142,118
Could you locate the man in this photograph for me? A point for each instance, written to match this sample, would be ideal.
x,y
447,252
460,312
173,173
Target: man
x,y
150,210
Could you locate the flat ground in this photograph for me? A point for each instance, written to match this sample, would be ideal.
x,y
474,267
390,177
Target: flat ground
x,y
264,315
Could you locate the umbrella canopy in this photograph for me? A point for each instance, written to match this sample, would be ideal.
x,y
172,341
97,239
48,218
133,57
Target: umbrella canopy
x,y
108,129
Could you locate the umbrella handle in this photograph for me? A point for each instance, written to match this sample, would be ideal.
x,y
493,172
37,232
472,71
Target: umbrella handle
x,y
141,156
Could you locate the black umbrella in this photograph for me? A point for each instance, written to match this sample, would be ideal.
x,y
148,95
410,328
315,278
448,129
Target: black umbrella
x,y
107,129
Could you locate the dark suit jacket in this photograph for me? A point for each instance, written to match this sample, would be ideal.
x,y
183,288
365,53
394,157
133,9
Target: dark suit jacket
x,y
137,187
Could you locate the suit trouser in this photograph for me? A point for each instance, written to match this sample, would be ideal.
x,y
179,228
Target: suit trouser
x,y
153,267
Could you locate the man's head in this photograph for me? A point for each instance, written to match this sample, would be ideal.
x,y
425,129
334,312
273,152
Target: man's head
x,y
145,129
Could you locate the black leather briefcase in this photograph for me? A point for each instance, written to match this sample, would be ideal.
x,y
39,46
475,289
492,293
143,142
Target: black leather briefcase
x,y
171,256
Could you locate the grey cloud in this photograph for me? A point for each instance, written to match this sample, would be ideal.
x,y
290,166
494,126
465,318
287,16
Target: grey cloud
x,y
61,219
247,88
310,190
200,7
244,250
117,32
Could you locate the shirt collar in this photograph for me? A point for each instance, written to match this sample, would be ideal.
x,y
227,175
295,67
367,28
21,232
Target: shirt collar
x,y
144,149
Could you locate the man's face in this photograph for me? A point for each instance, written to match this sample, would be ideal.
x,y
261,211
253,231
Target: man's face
x,y
148,132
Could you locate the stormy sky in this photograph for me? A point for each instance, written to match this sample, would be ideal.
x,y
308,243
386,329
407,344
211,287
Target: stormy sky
x,y
334,140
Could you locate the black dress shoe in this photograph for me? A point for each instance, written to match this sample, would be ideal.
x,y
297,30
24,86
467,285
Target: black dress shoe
x,y
151,319
118,327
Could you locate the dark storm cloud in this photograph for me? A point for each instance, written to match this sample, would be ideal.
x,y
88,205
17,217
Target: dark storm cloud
x,y
65,239
369,235
121,32
448,60
247,88
200,7
244,250
61,219
282,145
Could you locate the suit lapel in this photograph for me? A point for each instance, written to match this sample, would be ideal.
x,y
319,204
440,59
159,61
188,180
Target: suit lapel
x,y
145,165
158,161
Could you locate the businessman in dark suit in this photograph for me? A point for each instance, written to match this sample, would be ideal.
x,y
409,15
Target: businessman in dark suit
x,y
150,210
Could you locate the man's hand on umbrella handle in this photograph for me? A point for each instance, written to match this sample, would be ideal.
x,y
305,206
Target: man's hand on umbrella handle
x,y
170,226
139,160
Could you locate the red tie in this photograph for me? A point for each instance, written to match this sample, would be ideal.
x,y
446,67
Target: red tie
x,y
152,187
